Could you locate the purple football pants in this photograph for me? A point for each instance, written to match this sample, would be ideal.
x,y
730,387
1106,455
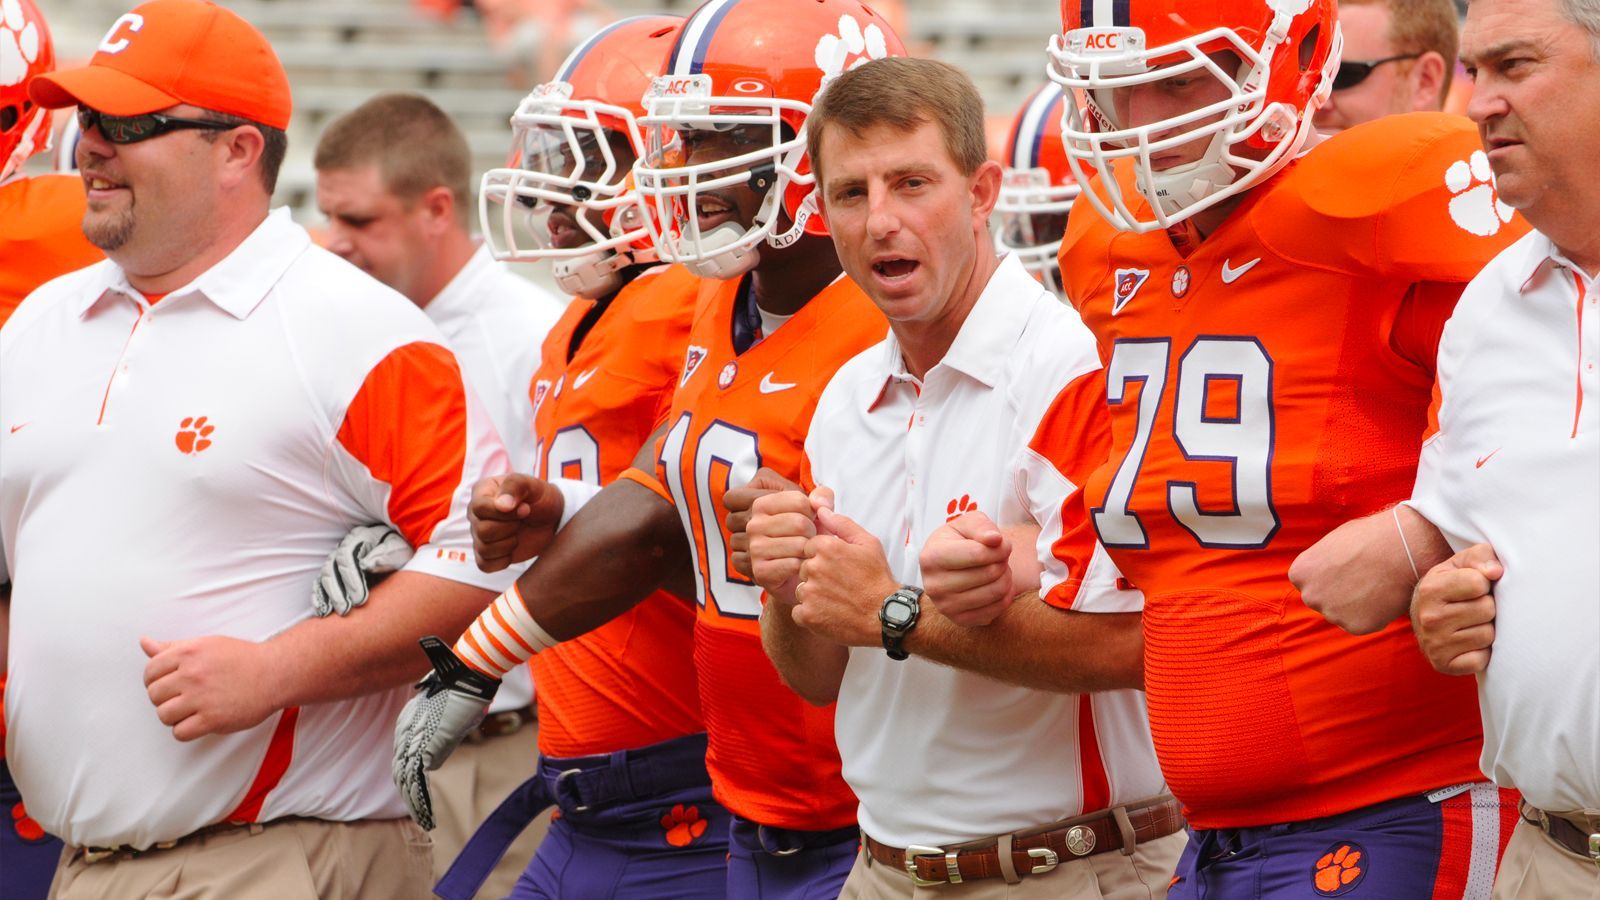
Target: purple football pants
x,y
779,864
636,823
29,863
1414,848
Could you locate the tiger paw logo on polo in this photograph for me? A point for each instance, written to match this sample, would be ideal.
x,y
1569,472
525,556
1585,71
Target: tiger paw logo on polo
x,y
194,435
1476,206
959,507
19,43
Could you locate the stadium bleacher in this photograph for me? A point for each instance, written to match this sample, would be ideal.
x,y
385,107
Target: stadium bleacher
x,y
339,52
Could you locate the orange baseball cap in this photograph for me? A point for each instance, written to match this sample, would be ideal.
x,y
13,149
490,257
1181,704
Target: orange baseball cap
x,y
168,52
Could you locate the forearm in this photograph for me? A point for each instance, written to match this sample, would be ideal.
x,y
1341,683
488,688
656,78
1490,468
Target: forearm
x,y
812,666
1360,576
375,647
1036,645
623,544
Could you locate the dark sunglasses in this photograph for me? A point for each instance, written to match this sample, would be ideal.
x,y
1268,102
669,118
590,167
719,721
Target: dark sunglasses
x,y
133,129
1353,73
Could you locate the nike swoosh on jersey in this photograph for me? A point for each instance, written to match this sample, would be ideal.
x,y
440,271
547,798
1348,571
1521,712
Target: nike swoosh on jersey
x,y
1231,274
582,378
768,386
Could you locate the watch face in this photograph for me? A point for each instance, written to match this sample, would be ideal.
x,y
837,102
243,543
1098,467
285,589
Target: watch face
x,y
896,612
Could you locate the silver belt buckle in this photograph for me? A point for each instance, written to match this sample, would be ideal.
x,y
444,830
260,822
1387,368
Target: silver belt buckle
x,y
1048,860
561,781
99,854
1594,848
913,853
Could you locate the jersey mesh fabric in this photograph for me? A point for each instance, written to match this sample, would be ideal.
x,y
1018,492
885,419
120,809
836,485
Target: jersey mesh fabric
x,y
629,683
1277,362
771,755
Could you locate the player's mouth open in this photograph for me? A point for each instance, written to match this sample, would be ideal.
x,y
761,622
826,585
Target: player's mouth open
x,y
894,269
711,212
564,231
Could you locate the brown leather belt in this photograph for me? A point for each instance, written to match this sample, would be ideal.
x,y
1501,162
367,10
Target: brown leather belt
x,y
1036,851
501,724
1580,837
91,855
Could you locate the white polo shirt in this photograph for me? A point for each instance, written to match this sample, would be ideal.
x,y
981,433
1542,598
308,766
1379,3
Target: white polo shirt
x,y
1515,463
936,755
495,323
327,400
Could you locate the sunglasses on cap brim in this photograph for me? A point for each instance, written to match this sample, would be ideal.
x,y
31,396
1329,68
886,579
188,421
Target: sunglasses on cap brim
x,y
1352,73
133,129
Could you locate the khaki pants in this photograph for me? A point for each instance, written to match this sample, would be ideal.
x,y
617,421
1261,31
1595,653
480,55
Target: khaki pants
x,y
468,787
297,859
1537,868
1105,876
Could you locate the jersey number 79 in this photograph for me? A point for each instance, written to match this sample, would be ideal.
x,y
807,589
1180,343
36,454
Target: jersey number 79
x,y
1243,438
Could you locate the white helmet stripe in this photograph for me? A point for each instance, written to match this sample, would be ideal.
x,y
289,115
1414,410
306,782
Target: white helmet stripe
x,y
1033,121
576,56
697,32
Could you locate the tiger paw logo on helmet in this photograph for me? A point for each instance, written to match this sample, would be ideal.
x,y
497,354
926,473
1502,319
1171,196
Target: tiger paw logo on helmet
x,y
19,43
833,50
1476,206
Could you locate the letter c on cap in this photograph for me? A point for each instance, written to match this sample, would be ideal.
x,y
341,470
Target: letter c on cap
x,y
133,22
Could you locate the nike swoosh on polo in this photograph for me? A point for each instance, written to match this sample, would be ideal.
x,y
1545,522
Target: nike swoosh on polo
x,y
582,378
17,428
1480,462
768,386
1231,274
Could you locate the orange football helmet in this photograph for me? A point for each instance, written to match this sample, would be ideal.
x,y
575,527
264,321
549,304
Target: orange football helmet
x,y
748,70
25,51
1038,188
573,143
1288,52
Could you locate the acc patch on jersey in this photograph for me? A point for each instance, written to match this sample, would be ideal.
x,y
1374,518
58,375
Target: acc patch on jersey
x,y
1129,281
691,361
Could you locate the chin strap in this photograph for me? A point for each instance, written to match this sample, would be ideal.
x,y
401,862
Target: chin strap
x,y
592,276
727,258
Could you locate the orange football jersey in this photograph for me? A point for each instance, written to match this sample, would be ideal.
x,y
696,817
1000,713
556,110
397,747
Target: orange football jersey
x,y
41,235
629,683
771,754
1264,389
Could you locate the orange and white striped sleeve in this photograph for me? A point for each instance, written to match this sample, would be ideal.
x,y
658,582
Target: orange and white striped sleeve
x,y
413,442
1072,440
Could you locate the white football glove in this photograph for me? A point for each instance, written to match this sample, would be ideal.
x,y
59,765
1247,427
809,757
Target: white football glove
x,y
451,702
367,549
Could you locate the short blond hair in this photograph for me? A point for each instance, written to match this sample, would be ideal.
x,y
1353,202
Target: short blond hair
x,y
1418,26
902,92
414,144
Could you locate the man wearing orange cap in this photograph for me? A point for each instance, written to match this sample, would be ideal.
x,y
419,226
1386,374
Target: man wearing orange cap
x,y
208,413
